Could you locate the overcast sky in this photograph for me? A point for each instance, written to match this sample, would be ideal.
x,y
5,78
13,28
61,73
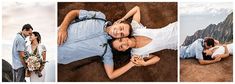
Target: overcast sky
x,y
41,15
198,15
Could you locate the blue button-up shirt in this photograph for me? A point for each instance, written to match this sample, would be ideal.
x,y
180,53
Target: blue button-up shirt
x,y
86,39
193,50
18,45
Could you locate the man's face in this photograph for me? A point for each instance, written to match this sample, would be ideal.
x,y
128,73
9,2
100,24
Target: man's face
x,y
122,44
28,33
119,30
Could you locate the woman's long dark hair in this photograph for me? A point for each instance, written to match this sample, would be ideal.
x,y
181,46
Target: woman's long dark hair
x,y
38,36
206,57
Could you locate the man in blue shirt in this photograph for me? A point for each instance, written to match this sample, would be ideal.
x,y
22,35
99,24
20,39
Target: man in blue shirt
x,y
18,49
196,48
88,38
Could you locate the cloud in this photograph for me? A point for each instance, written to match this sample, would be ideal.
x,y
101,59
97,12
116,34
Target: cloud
x,y
199,8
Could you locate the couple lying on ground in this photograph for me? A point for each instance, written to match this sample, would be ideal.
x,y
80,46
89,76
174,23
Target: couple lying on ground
x,y
84,34
207,50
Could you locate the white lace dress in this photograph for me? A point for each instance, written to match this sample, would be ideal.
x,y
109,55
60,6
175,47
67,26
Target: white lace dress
x,y
162,38
221,50
34,77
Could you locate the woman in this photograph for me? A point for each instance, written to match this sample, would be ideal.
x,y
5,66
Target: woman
x,y
146,41
219,51
37,51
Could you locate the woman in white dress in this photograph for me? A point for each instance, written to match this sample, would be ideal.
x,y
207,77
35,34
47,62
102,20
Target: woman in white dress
x,y
221,51
35,46
146,41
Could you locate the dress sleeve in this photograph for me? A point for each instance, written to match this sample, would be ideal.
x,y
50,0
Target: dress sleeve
x,y
219,50
135,25
43,48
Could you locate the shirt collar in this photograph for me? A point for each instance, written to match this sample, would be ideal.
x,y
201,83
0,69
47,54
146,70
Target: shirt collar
x,y
20,33
107,23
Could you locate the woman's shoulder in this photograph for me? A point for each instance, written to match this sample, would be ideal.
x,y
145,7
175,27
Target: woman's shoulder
x,y
42,46
136,25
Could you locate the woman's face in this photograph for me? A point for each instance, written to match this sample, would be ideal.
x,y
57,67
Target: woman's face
x,y
208,52
32,37
122,44
119,30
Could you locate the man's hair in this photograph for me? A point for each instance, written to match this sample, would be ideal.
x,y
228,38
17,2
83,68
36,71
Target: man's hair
x,y
130,29
27,27
210,42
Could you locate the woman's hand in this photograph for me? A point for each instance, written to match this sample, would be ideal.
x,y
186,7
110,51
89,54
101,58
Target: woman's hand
x,y
119,21
138,61
218,58
62,35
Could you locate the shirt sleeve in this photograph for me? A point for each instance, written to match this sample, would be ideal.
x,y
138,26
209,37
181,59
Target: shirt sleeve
x,y
89,14
20,45
199,52
108,57
43,48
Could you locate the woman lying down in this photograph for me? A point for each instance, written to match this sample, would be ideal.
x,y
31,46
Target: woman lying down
x,y
218,52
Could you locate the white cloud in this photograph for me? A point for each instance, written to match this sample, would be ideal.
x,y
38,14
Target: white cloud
x,y
203,8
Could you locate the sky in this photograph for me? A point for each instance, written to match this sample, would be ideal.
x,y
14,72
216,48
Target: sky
x,y
198,15
41,15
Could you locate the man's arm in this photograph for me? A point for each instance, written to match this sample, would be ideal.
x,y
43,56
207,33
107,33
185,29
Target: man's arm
x,y
62,33
22,58
116,73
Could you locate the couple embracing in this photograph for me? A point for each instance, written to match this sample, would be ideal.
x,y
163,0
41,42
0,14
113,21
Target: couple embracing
x,y
207,50
28,60
84,34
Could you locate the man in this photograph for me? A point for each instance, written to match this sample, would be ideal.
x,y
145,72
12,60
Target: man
x,y
196,48
88,37
18,49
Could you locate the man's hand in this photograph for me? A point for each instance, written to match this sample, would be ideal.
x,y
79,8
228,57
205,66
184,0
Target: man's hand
x,y
62,35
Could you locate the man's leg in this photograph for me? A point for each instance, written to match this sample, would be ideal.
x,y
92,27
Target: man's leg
x,y
14,75
20,75
182,52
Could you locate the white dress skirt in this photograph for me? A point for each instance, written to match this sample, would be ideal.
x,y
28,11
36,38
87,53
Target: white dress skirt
x,y
162,38
34,77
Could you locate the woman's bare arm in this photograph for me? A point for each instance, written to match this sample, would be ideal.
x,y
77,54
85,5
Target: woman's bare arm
x,y
204,62
135,12
118,72
44,55
152,60
141,62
